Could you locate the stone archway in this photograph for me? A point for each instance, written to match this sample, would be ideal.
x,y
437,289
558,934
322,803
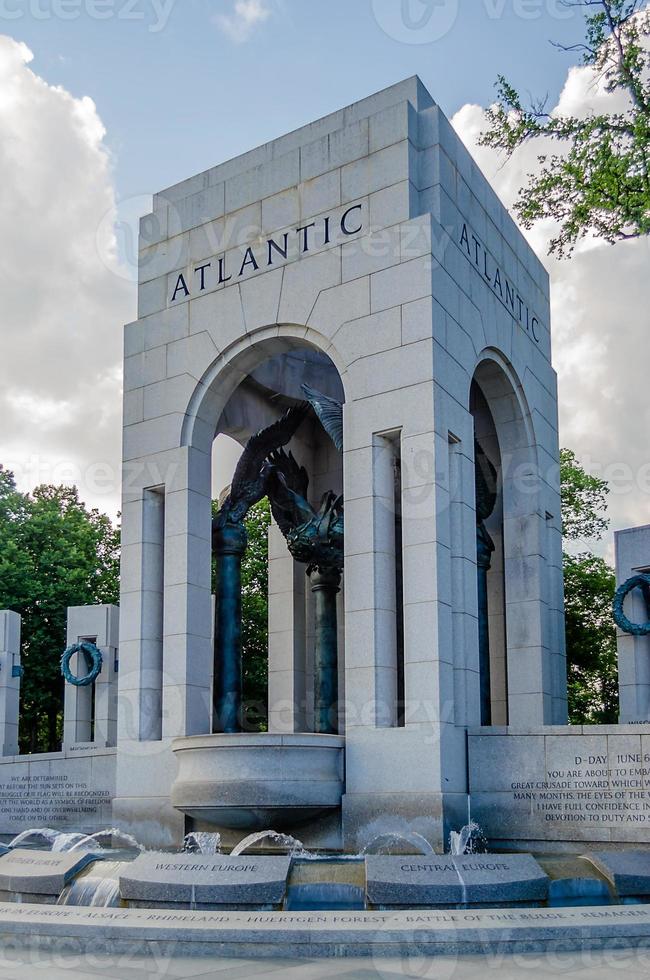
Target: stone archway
x,y
241,360
248,388
243,394
519,685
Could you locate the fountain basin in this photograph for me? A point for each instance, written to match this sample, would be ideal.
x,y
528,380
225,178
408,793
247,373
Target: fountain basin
x,y
254,781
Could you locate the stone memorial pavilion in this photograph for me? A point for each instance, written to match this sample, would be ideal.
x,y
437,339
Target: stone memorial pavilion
x,y
366,256
353,305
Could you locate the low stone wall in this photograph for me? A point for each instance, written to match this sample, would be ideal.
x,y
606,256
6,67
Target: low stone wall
x,y
306,935
566,784
69,790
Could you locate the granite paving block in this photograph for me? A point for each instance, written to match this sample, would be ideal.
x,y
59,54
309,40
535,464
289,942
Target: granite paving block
x,y
501,878
41,872
219,880
393,880
628,871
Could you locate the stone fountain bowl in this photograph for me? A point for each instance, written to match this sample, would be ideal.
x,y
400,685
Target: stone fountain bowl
x,y
254,781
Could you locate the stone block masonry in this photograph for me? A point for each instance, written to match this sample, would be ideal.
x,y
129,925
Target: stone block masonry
x,y
572,784
309,935
367,243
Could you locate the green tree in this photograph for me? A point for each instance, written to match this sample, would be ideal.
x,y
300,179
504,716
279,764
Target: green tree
x,y
584,500
54,553
255,608
15,564
599,182
589,586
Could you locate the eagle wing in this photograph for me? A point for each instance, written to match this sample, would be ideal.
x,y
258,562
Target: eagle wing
x,y
288,483
260,445
329,412
295,476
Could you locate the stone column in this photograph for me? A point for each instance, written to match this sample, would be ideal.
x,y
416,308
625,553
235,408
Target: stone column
x,y
394,771
325,586
141,605
187,615
463,633
10,674
230,546
165,679
484,549
287,640
386,452
632,558
90,713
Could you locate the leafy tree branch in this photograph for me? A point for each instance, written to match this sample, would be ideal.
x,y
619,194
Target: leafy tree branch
x,y
598,183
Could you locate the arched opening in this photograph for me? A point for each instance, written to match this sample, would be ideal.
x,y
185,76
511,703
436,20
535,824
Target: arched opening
x,y
506,522
280,622
490,566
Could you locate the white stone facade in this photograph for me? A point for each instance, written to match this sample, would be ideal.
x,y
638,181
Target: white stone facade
x,y
413,281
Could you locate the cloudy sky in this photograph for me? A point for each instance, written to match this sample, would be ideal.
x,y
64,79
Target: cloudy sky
x,y
102,103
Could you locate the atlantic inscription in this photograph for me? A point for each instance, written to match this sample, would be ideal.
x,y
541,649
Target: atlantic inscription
x,y
232,267
505,291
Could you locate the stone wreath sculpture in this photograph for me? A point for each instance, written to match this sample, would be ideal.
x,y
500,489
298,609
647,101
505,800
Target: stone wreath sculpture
x,y
641,581
93,659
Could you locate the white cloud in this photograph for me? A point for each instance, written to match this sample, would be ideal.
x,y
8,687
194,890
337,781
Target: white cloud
x,y
64,300
601,322
245,17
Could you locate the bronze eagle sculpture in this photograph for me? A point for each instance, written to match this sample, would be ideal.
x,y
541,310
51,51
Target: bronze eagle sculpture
x,y
249,484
